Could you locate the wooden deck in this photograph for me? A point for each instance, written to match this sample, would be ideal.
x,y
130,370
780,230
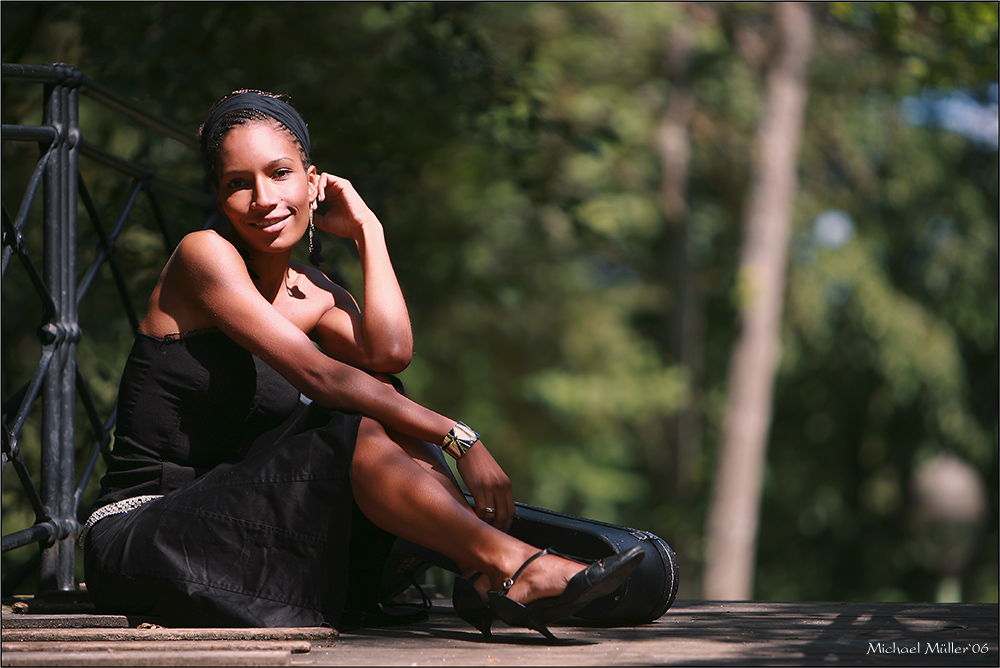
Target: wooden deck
x,y
692,633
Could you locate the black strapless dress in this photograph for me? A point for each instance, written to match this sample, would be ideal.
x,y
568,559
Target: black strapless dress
x,y
254,525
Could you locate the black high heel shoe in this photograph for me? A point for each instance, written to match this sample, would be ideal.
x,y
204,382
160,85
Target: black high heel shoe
x,y
470,606
599,578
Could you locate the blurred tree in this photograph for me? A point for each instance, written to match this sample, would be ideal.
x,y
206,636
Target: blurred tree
x,y
673,141
880,371
734,511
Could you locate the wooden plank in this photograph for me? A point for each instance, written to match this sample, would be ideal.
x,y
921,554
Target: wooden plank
x,y
293,646
162,634
63,621
146,658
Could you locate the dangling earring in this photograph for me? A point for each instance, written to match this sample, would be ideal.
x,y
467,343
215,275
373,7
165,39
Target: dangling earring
x,y
312,230
315,247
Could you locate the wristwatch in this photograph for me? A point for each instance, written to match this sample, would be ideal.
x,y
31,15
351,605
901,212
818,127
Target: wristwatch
x,y
459,440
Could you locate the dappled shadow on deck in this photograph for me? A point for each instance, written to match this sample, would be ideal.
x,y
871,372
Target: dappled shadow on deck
x,y
724,633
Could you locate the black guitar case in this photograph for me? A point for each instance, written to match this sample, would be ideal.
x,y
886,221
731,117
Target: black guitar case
x,y
644,597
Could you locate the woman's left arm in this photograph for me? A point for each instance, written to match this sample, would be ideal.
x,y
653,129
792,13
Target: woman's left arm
x,y
381,335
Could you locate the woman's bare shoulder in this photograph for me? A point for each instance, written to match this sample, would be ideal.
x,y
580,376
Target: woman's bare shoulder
x,y
205,256
201,263
205,244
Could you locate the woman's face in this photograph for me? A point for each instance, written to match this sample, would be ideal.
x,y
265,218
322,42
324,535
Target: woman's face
x,y
264,189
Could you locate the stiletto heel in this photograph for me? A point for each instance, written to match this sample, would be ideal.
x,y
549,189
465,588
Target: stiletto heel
x,y
515,614
599,578
470,606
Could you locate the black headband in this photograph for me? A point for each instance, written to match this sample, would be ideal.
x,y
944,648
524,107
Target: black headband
x,y
282,112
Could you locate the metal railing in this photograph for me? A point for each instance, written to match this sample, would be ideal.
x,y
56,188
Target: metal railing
x,y
57,381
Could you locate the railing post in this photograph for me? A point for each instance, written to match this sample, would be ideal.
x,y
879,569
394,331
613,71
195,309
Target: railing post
x,y
56,381
61,334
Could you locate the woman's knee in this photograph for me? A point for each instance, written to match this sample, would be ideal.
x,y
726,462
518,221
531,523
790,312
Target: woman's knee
x,y
376,455
372,443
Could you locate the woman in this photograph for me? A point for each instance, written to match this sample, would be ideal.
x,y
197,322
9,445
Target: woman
x,y
228,501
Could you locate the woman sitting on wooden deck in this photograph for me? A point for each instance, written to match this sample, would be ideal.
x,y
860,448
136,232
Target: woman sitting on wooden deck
x,y
228,501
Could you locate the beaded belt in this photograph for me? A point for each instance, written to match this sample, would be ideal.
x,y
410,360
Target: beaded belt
x,y
116,508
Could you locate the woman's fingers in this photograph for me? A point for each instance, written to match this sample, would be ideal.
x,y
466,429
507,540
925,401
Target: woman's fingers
x,y
507,519
489,485
479,498
323,179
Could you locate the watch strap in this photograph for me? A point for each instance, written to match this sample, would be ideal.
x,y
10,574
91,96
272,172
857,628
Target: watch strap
x,y
458,441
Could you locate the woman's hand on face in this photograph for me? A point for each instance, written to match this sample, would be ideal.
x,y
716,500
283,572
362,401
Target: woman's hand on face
x,y
347,213
489,485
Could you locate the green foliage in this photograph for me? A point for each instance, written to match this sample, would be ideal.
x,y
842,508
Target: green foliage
x,y
891,352
510,150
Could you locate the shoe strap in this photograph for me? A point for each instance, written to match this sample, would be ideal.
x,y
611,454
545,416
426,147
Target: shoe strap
x,y
509,582
578,560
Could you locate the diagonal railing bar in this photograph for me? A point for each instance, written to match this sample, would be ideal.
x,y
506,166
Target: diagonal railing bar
x,y
41,135
58,383
106,251
154,205
100,440
30,393
16,239
9,436
103,254
17,247
12,454
29,485
11,241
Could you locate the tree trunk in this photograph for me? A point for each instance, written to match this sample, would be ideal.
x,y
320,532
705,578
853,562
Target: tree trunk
x,y
674,146
735,505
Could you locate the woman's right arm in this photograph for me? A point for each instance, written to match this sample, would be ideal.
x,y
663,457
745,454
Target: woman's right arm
x,y
380,337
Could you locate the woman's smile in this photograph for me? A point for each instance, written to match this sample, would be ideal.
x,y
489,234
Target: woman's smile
x,y
271,224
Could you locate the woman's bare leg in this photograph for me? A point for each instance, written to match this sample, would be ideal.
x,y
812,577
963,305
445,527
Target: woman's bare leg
x,y
431,459
408,498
